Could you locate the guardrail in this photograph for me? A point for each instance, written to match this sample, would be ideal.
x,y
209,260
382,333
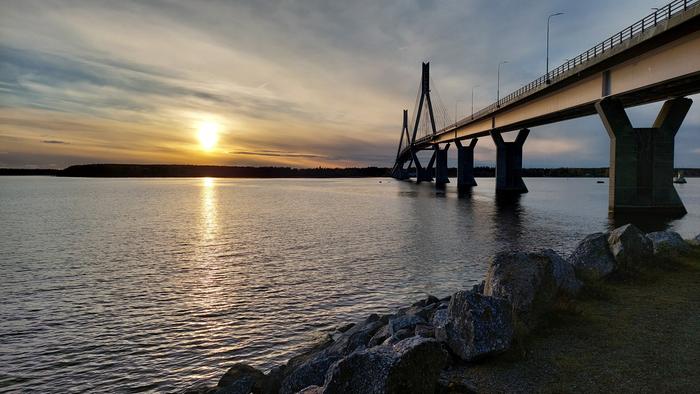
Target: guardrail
x,y
659,15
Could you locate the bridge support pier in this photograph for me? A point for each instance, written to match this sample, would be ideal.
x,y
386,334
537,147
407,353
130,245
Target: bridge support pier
x,y
641,159
424,174
509,163
465,165
441,176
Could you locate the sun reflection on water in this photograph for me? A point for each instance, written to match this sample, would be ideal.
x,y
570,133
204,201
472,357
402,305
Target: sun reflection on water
x,y
209,219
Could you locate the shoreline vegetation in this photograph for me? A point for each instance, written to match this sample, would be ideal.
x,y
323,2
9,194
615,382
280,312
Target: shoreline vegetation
x,y
193,171
621,313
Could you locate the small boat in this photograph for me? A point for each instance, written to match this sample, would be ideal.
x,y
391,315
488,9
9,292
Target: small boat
x,y
679,178
599,181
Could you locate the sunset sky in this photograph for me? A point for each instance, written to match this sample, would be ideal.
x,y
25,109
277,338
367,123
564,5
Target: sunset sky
x,y
294,83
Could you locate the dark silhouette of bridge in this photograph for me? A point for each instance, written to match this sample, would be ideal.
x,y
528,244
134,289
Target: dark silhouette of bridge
x,y
654,59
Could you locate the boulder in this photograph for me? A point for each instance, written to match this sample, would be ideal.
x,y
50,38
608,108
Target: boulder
x,y
399,336
425,311
430,299
309,373
274,379
530,281
312,390
379,337
410,366
439,322
563,273
241,377
345,327
425,330
310,368
475,326
630,247
592,258
244,385
357,337
404,322
668,245
479,287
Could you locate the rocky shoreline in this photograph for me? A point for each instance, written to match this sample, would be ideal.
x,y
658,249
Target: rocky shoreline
x,y
417,348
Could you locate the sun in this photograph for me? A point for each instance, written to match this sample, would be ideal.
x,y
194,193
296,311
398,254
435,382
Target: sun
x,y
208,135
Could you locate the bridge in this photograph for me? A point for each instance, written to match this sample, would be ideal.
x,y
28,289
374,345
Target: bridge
x,y
654,59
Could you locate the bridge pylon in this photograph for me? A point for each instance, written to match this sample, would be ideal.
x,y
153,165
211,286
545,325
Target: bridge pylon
x,y
408,153
398,171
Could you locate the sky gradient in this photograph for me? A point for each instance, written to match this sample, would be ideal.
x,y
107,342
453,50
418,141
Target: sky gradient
x,y
292,83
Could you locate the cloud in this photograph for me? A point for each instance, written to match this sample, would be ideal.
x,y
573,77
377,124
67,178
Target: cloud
x,y
53,142
272,153
296,83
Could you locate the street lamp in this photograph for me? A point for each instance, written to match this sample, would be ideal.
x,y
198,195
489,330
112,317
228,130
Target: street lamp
x,y
498,84
473,87
547,61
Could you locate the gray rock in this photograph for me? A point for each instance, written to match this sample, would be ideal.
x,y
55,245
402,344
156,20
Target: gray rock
x,y
399,336
357,337
479,287
439,322
476,325
409,366
563,273
424,330
244,385
345,327
274,379
309,373
379,337
404,322
668,245
630,247
240,376
312,390
425,312
592,258
529,281
311,367
430,299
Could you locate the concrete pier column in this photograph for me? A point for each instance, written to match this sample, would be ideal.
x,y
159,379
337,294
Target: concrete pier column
x,y
641,159
465,165
441,176
424,174
509,163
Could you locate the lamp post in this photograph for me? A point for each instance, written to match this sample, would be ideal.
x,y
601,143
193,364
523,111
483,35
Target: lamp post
x,y
498,83
549,18
473,87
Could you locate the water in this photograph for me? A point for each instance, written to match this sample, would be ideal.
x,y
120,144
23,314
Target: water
x,y
128,285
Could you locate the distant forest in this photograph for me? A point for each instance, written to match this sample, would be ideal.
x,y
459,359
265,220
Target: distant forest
x,y
170,171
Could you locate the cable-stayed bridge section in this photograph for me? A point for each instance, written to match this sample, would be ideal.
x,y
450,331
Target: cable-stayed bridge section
x,y
655,59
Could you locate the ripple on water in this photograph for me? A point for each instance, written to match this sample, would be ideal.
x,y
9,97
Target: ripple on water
x,y
148,285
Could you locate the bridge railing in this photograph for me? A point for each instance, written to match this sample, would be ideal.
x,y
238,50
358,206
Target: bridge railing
x,y
659,15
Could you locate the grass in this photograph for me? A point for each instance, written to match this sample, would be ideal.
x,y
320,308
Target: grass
x,y
638,333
